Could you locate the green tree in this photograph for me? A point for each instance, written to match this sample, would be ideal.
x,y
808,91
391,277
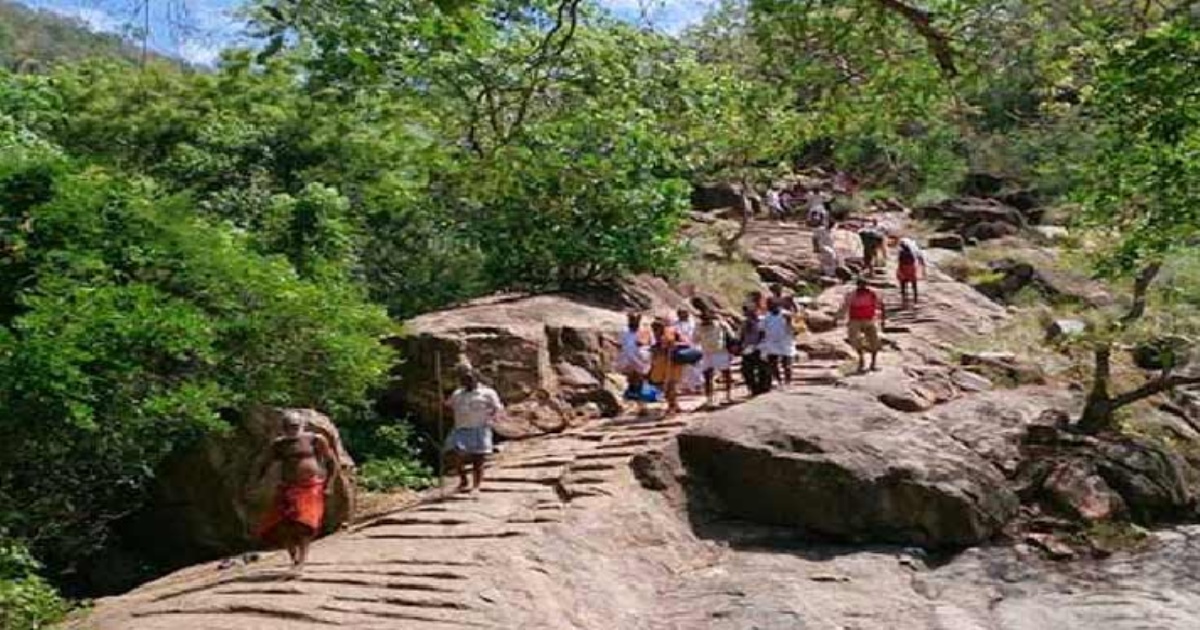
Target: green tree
x,y
1140,193
131,323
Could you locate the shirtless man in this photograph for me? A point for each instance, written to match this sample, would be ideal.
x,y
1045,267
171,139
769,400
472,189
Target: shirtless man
x,y
308,468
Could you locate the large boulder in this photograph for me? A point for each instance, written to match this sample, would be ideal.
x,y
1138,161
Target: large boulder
x,y
1077,489
716,196
964,214
1039,274
201,506
839,465
538,352
1154,483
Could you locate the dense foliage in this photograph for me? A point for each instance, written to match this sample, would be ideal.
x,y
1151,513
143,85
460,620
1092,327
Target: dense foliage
x,y
129,321
27,601
1143,190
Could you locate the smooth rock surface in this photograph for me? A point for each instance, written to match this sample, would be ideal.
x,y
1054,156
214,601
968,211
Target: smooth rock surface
x,y
840,466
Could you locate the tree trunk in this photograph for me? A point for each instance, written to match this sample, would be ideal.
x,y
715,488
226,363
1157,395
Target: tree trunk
x,y
1098,411
729,245
1140,286
922,22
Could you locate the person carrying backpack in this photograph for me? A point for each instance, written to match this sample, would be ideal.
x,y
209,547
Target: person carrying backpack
x,y
911,265
874,252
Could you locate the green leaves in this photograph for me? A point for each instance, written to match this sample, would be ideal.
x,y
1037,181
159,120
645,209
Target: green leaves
x,y
132,321
27,602
1140,184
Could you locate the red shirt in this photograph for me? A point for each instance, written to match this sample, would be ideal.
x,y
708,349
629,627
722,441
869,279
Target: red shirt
x,y
863,305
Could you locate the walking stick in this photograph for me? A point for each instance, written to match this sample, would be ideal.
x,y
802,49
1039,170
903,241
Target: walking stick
x,y
441,413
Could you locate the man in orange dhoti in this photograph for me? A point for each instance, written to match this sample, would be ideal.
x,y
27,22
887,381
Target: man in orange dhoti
x,y
309,465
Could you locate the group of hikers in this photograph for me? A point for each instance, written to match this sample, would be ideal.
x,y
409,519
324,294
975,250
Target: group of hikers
x,y
675,354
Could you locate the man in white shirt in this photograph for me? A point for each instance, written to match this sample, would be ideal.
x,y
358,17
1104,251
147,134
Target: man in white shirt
x,y
774,204
779,342
476,408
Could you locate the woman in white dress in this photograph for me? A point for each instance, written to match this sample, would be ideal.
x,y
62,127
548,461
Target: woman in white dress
x,y
779,342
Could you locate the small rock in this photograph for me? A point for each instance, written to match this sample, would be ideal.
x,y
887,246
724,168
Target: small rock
x,y
1056,418
819,322
910,401
772,274
829,578
981,358
1065,329
970,381
1076,488
989,231
947,241
823,350
1052,233
570,375
1054,548
1159,354
1006,366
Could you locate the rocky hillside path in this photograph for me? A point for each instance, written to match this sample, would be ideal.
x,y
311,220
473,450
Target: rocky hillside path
x,y
559,519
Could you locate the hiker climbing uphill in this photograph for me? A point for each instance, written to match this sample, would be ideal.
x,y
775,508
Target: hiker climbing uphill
x,y
476,408
816,212
862,305
910,267
308,467
775,204
873,246
786,301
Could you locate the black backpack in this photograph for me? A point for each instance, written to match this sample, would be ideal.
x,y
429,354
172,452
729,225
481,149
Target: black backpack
x,y
907,257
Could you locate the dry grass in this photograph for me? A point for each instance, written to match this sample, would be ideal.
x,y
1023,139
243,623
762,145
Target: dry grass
x,y
729,280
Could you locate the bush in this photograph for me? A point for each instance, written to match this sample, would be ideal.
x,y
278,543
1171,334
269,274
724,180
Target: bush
x,y
382,475
130,323
391,457
27,602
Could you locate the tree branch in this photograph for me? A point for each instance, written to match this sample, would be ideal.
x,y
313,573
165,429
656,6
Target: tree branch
x,y
568,16
920,19
1157,386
